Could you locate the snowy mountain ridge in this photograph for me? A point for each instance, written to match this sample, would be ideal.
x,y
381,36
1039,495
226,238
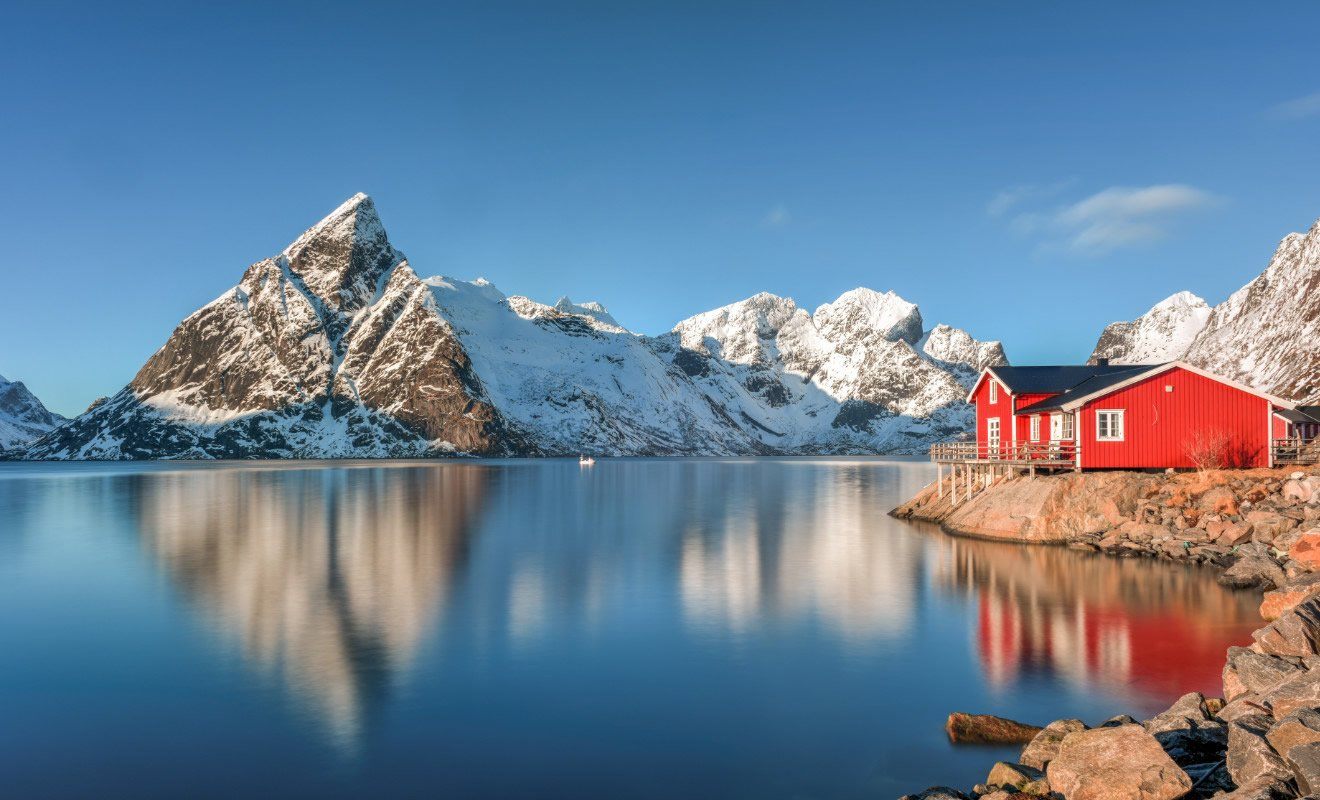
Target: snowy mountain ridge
x,y
336,348
23,418
1264,334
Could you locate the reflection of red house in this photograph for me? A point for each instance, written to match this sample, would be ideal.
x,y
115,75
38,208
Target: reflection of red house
x,y
1162,654
1125,416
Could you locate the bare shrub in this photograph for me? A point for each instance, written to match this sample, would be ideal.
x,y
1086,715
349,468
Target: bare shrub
x,y
1208,449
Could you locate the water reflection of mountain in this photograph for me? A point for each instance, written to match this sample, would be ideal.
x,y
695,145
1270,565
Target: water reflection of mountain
x,y
1092,619
812,547
737,545
328,578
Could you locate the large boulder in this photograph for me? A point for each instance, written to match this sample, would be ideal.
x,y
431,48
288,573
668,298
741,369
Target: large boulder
x,y
1246,671
1045,746
988,729
1301,691
1291,594
1188,732
1266,525
1305,762
1306,549
1018,777
1123,762
1300,727
1250,756
1303,490
1296,633
1253,572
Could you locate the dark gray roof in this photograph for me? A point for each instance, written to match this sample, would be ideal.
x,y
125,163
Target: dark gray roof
x,y
1300,414
1056,380
1100,381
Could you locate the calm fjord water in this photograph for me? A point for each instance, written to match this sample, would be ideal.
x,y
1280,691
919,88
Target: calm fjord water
x,y
643,628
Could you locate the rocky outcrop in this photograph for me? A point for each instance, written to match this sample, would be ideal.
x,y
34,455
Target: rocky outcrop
x,y
1240,520
988,729
1123,762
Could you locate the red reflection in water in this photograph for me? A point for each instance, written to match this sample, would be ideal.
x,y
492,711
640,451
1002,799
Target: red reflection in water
x,y
1095,621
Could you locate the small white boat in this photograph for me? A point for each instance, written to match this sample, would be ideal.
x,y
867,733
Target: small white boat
x,y
585,461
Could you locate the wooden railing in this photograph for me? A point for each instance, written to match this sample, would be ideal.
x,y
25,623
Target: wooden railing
x,y
1296,451
1041,453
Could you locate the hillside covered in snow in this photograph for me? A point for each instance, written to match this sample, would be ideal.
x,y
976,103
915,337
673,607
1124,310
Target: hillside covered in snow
x,y
1266,334
336,347
23,418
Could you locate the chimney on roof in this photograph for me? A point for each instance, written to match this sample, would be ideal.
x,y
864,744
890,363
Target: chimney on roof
x,y
1102,362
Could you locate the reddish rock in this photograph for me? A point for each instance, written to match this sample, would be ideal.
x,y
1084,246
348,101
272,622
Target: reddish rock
x,y
988,729
1112,763
1307,549
1280,601
1045,746
1296,633
1219,500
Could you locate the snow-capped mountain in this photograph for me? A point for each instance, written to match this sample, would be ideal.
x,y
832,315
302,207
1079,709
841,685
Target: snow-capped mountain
x,y
336,348
1165,333
23,418
1265,334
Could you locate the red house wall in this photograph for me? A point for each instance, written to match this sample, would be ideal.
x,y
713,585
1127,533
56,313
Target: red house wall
x,y
1159,425
1280,428
1024,421
985,410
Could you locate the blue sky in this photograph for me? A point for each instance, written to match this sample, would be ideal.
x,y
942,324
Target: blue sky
x,y
1028,171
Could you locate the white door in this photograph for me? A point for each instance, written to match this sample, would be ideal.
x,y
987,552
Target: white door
x,y
992,436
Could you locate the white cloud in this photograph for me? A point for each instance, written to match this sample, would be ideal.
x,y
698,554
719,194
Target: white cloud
x,y
1114,218
1298,108
776,217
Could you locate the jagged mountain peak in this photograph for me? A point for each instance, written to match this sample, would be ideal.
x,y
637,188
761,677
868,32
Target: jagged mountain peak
x,y
343,258
1177,300
955,348
590,309
861,311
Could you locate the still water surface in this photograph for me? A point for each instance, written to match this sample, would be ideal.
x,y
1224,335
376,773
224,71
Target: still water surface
x,y
644,628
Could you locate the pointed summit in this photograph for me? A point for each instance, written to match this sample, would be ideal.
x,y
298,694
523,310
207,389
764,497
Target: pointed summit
x,y
342,258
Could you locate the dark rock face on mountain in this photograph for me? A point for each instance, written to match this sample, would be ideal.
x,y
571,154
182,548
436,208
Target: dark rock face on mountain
x,y
23,418
1267,334
335,348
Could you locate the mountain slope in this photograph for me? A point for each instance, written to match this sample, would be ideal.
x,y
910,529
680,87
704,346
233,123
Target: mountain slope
x,y
1165,333
23,418
1265,334
331,348
335,348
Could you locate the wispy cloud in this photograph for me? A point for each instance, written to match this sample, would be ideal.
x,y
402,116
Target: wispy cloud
x,y
1297,108
776,217
1111,219
1016,196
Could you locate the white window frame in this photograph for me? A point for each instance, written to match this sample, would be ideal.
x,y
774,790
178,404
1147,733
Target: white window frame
x,y
1067,427
994,392
993,433
1115,415
1035,427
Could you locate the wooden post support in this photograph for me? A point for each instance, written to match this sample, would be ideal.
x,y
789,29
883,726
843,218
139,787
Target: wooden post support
x,y
939,478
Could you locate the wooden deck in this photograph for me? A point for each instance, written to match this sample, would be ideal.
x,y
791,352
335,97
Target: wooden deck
x,y
1049,455
1063,455
1288,452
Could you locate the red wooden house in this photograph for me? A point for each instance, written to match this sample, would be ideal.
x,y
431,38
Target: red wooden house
x,y
1123,416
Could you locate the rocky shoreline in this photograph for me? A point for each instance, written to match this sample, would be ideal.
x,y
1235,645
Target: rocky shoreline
x,y
1261,740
